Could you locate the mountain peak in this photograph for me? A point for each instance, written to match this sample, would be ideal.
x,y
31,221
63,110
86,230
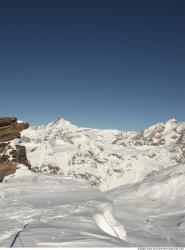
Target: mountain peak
x,y
173,120
62,123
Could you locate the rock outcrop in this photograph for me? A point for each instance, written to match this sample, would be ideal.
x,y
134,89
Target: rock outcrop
x,y
10,129
6,169
11,150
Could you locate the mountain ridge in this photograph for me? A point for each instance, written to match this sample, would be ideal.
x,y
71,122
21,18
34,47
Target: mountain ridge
x,y
106,158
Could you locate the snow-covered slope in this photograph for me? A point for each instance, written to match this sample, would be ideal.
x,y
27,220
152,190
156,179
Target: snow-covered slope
x,y
107,158
153,210
50,211
53,211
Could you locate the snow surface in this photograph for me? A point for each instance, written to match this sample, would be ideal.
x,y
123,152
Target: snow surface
x,y
53,211
153,210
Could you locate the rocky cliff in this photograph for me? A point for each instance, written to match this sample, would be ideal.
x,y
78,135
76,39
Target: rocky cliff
x,y
11,150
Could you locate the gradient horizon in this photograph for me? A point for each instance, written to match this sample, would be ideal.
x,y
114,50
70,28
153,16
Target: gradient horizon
x,y
101,63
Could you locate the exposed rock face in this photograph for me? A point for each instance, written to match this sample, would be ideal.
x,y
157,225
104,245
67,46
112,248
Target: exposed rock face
x,y
11,151
6,169
10,129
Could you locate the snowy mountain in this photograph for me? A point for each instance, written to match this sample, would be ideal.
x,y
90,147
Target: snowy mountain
x,y
142,175
106,158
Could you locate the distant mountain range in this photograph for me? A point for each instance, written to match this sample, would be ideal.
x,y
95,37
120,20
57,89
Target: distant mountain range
x,y
106,158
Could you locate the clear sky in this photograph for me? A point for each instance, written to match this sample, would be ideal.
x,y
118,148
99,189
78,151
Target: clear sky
x,y
97,63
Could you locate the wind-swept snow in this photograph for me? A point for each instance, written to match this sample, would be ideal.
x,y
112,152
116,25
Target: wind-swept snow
x,y
153,211
53,211
107,222
49,211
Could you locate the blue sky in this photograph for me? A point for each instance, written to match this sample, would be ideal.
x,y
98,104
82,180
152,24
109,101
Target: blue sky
x,y
97,63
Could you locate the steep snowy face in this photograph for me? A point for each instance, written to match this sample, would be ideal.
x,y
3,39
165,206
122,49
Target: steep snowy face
x,y
161,134
53,130
107,158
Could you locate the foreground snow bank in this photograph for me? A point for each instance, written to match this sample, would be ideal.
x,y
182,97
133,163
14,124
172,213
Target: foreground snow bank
x,y
47,210
40,210
153,211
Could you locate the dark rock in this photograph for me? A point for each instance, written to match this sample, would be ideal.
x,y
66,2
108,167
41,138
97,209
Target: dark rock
x,y
19,155
5,121
7,169
11,154
12,130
